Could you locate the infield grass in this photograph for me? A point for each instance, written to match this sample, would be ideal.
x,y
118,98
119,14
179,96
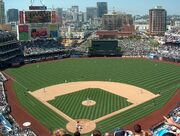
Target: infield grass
x,y
71,104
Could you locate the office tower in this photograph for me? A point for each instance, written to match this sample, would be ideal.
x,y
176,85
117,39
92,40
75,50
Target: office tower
x,y
12,15
59,12
75,12
102,9
75,8
81,17
91,13
157,21
2,12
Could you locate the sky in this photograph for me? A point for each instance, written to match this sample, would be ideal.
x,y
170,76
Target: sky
x,y
135,7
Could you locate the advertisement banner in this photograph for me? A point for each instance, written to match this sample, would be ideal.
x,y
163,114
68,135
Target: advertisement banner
x,y
53,27
53,30
21,17
23,32
53,17
53,34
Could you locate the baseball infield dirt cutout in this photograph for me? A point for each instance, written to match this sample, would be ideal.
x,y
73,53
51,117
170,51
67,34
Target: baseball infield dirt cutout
x,y
134,95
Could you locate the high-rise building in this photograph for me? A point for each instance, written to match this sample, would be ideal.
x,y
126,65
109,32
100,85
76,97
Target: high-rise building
x,y
81,17
2,12
85,16
91,13
177,23
102,8
157,21
12,15
75,12
59,12
75,8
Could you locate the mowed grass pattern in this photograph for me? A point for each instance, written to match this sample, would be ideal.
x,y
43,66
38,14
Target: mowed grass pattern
x,y
153,76
71,104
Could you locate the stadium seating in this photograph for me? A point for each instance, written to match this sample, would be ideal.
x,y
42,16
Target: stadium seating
x,y
9,127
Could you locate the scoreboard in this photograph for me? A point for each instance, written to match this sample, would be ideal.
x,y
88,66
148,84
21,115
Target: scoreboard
x,y
37,16
104,48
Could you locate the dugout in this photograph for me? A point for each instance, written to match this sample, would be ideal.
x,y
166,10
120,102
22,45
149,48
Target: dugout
x,y
100,48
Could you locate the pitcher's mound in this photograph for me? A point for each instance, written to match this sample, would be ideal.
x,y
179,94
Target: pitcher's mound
x,y
88,103
86,126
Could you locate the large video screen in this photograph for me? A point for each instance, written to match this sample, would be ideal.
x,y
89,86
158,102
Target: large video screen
x,y
39,32
38,16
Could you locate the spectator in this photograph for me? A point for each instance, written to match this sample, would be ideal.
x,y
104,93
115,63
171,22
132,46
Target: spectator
x,y
168,134
138,131
107,134
170,121
119,132
96,133
60,132
77,133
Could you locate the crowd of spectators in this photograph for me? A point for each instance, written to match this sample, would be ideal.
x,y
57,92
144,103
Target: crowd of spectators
x,y
50,49
135,47
9,48
145,47
8,125
42,50
6,36
171,124
2,78
169,51
41,46
2,95
172,35
2,91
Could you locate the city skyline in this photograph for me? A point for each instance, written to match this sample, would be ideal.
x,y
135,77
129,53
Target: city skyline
x,y
135,7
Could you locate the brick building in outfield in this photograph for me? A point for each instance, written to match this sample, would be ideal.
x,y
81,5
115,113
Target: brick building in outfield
x,y
116,25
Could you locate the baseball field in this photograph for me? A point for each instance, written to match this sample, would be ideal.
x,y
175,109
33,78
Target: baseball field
x,y
155,81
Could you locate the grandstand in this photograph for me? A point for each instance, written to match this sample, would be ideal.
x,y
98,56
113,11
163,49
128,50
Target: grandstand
x,y
172,35
8,125
42,49
9,49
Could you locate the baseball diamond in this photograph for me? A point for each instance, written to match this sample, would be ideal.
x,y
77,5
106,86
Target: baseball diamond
x,y
53,92
62,96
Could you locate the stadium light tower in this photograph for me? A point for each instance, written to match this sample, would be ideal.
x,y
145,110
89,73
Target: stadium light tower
x,y
35,7
41,1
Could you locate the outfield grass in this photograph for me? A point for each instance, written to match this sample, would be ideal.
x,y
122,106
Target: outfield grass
x,y
71,104
153,76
